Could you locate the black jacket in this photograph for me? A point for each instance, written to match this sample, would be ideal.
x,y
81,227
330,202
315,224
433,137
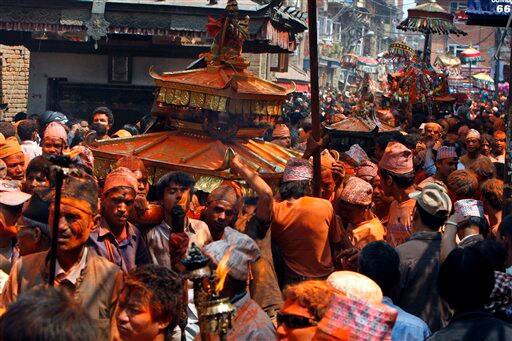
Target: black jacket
x,y
419,267
474,325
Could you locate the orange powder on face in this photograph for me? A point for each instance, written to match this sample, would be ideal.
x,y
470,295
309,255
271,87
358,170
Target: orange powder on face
x,y
79,204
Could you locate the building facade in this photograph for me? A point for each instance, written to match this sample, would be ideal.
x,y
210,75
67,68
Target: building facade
x,y
79,54
483,38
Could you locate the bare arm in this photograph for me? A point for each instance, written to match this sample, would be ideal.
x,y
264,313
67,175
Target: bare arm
x,y
448,243
265,195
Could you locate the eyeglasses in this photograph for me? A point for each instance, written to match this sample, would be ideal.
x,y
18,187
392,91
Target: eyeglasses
x,y
295,321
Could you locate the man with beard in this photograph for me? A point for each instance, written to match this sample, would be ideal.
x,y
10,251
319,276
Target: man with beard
x,y
115,238
446,163
77,269
12,154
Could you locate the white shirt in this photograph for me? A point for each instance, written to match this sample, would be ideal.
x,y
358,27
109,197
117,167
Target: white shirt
x,y
74,272
31,149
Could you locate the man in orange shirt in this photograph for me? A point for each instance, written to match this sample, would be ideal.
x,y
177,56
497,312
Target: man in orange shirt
x,y
303,228
355,210
397,180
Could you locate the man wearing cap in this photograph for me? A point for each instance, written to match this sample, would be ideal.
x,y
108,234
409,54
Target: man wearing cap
x,y
281,135
468,223
34,232
397,180
354,207
115,238
77,270
419,258
299,215
222,206
472,149
11,201
12,154
55,139
250,321
138,168
446,163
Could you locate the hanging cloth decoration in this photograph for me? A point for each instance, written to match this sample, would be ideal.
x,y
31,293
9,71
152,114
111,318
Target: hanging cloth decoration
x,y
430,18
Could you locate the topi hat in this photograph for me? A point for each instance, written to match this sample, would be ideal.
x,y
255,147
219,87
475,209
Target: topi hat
x,y
397,159
434,200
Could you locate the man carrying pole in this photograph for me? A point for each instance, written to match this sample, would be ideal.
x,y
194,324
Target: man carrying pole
x,y
77,270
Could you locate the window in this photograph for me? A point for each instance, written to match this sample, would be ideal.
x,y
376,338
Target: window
x,y
457,6
279,62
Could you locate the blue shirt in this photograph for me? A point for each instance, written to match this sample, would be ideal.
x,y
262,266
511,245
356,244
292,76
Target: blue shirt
x,y
127,254
407,326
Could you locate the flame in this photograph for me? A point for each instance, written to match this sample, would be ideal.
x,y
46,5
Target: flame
x,y
184,200
222,271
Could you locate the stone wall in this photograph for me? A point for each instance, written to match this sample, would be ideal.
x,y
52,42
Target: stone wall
x,y
15,64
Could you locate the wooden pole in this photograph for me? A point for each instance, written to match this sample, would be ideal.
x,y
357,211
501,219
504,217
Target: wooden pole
x,y
427,47
315,92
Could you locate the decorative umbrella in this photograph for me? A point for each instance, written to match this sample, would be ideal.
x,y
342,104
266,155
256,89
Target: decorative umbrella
x,y
470,56
483,81
429,18
447,61
349,60
400,50
367,64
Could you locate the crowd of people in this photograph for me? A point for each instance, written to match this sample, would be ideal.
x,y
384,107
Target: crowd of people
x,y
407,242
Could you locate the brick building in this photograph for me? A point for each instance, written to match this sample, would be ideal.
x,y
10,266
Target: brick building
x,y
80,54
14,76
481,37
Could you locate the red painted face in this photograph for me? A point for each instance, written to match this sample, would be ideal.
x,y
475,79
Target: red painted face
x,y
142,183
75,223
118,206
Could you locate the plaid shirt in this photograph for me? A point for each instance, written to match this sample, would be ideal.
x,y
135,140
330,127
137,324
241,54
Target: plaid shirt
x,y
501,296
